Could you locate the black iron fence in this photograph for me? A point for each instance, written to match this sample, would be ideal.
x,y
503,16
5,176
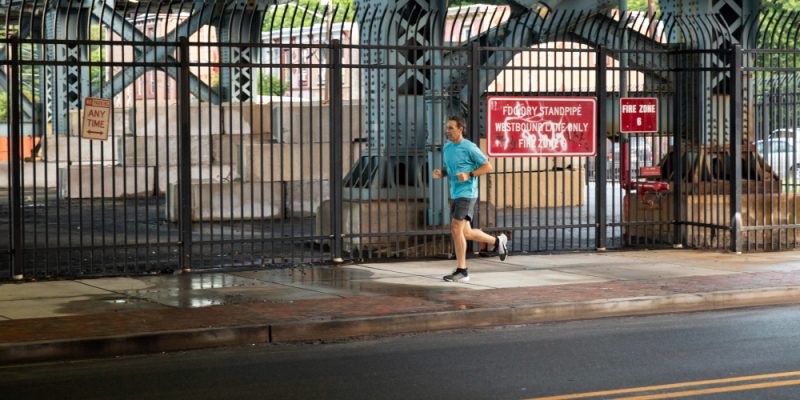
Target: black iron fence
x,y
234,145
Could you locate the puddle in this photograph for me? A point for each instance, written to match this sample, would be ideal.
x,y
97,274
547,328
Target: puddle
x,y
273,285
352,281
308,275
103,304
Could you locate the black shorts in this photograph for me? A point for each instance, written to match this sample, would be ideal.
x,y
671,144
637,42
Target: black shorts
x,y
462,209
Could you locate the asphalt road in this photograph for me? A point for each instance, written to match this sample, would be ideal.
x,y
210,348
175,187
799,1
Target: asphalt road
x,y
749,354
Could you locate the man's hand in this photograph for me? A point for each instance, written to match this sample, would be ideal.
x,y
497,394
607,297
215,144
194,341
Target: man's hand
x,y
463,176
437,174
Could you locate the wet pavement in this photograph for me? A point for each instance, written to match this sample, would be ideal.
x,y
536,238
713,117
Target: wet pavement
x,y
110,316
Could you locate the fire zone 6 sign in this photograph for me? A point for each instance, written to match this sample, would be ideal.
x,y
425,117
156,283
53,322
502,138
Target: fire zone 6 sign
x,y
96,118
638,114
541,126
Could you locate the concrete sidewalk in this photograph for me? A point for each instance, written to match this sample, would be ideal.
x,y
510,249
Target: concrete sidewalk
x,y
114,316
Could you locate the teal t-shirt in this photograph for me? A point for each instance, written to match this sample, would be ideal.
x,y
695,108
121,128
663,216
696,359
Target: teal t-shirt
x,y
462,157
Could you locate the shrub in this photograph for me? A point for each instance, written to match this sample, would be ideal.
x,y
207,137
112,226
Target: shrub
x,y
271,85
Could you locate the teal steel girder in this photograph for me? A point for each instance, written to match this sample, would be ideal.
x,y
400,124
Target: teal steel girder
x,y
529,22
128,31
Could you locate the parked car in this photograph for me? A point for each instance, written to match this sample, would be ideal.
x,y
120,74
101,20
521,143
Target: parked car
x,y
781,155
785,133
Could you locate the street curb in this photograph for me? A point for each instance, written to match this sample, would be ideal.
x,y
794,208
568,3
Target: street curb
x,y
152,342
304,331
307,331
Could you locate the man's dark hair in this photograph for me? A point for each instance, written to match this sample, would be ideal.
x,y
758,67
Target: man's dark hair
x,y
459,120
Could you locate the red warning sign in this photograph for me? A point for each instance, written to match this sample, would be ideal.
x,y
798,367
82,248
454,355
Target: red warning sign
x,y
523,126
650,171
638,114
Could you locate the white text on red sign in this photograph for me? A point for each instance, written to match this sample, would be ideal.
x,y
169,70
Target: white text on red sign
x,y
519,126
638,115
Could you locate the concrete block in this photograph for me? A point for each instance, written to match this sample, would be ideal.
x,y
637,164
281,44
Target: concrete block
x,y
207,173
762,209
99,181
303,198
310,121
228,201
364,217
272,162
161,119
289,161
162,150
72,148
37,174
560,188
250,117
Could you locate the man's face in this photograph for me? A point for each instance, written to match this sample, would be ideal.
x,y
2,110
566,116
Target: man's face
x,y
454,133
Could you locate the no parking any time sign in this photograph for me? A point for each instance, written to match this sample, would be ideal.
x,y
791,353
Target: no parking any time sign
x,y
96,118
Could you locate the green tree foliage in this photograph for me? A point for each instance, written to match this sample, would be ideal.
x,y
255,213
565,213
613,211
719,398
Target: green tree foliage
x,y
3,106
29,75
786,5
781,32
639,5
271,85
305,13
459,3
96,54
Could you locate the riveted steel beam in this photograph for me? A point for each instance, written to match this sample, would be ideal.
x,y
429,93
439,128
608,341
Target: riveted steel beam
x,y
521,31
128,31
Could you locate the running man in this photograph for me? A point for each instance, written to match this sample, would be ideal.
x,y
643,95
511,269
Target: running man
x,y
464,162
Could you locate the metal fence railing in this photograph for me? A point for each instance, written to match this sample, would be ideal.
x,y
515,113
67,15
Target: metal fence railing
x,y
233,145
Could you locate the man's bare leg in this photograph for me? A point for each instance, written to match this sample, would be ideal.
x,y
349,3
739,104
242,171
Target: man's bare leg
x,y
457,229
500,242
477,235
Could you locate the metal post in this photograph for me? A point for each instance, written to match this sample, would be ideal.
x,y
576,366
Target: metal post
x,y
184,156
475,112
600,161
336,150
623,57
736,149
677,196
14,92
435,102
474,92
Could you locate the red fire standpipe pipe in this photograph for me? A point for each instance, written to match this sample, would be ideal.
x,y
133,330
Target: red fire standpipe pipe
x,y
624,163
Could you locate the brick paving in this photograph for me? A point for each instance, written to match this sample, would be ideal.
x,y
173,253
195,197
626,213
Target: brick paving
x,y
132,323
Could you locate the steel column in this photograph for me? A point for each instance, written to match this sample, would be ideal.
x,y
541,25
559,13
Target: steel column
x,y
14,94
677,123
600,182
336,150
475,113
184,156
241,27
736,149
475,92
69,83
